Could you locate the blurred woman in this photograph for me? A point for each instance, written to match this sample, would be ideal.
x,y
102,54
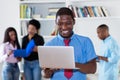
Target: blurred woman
x,y
32,70
10,70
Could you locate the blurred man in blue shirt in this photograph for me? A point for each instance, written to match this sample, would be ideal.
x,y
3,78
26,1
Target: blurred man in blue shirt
x,y
109,55
83,48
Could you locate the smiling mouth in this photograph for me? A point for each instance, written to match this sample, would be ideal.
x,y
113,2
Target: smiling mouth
x,y
65,32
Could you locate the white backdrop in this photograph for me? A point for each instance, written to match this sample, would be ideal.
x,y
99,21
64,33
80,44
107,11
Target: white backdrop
x,y
9,15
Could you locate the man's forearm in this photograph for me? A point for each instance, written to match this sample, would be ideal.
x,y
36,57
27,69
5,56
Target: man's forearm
x,y
103,58
87,68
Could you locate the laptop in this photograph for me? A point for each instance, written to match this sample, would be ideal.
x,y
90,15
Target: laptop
x,y
56,57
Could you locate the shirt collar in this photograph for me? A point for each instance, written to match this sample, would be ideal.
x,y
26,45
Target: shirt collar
x,y
106,39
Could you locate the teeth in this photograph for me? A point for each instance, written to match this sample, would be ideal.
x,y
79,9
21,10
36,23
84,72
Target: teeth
x,y
64,32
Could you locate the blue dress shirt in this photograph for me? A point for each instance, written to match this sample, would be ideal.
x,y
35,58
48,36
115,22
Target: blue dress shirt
x,y
109,70
83,51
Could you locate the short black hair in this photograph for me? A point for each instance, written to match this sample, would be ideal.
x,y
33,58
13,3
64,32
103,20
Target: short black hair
x,y
103,26
7,37
65,11
34,22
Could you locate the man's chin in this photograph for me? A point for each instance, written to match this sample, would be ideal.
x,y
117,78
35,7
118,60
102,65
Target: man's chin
x,y
65,36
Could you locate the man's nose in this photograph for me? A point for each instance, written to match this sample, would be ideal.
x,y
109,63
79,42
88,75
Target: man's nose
x,y
64,26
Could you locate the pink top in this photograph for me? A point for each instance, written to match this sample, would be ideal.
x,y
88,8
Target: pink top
x,y
4,50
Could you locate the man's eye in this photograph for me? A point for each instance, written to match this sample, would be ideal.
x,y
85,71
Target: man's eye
x,y
59,24
68,23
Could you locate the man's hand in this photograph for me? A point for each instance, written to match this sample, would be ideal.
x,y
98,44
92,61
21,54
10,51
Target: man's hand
x,y
48,73
102,58
99,57
87,68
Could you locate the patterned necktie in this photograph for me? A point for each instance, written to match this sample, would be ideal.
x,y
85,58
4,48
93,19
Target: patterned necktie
x,y
67,72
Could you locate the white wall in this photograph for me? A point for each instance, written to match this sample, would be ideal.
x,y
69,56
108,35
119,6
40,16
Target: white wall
x,y
9,15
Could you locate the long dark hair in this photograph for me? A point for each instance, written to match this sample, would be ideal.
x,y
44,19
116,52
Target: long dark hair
x,y
7,37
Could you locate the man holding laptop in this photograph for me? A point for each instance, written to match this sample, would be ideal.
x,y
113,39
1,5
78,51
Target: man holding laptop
x,y
84,53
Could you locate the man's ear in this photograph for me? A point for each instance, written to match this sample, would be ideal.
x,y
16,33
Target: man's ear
x,y
73,22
